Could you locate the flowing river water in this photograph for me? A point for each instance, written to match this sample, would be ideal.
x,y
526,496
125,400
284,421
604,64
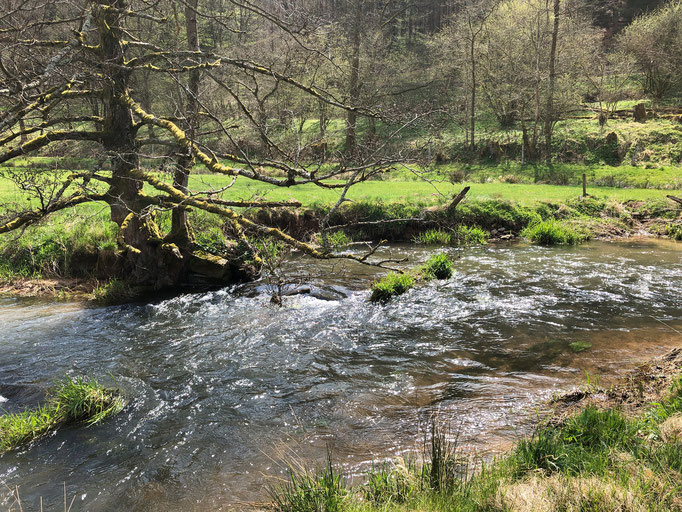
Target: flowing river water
x,y
223,386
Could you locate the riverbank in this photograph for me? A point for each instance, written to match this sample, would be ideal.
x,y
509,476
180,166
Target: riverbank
x,y
600,449
76,257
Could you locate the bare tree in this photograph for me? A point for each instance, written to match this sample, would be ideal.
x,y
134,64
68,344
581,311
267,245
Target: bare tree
x,y
90,53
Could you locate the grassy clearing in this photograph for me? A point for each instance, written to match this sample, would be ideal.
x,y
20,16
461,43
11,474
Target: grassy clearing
x,y
394,284
596,460
70,401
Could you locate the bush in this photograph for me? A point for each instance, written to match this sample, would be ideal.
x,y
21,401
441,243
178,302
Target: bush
x,y
390,285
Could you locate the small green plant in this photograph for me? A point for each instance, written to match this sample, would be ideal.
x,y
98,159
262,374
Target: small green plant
x,y
674,231
390,285
113,292
552,232
77,401
324,491
437,267
580,346
433,237
335,239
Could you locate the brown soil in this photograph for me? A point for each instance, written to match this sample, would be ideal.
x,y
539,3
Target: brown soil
x,y
643,385
63,288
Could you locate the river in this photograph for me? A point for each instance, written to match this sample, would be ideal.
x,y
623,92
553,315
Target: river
x,y
224,387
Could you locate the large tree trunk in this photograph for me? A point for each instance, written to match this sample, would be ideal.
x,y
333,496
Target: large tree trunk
x,y
150,260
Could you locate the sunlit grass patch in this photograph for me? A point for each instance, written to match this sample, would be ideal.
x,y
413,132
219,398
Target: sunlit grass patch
x,y
580,346
391,285
70,401
311,491
438,266
552,232
433,237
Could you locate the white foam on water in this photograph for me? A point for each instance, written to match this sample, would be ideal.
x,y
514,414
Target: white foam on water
x,y
3,399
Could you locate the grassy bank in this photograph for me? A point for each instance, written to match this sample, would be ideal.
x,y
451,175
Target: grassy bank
x,y
589,457
70,401
81,243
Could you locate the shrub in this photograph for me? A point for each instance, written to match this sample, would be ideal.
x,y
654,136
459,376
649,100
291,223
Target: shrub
x,y
390,285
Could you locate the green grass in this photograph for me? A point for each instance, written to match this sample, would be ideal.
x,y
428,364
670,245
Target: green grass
x,y
462,235
311,491
68,243
391,285
471,235
69,401
394,284
552,232
674,231
433,237
580,346
436,267
595,461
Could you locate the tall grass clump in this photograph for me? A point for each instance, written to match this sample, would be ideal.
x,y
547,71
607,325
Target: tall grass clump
x,y
391,285
115,291
70,401
552,232
674,231
322,491
436,267
463,235
471,235
583,444
389,483
433,237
